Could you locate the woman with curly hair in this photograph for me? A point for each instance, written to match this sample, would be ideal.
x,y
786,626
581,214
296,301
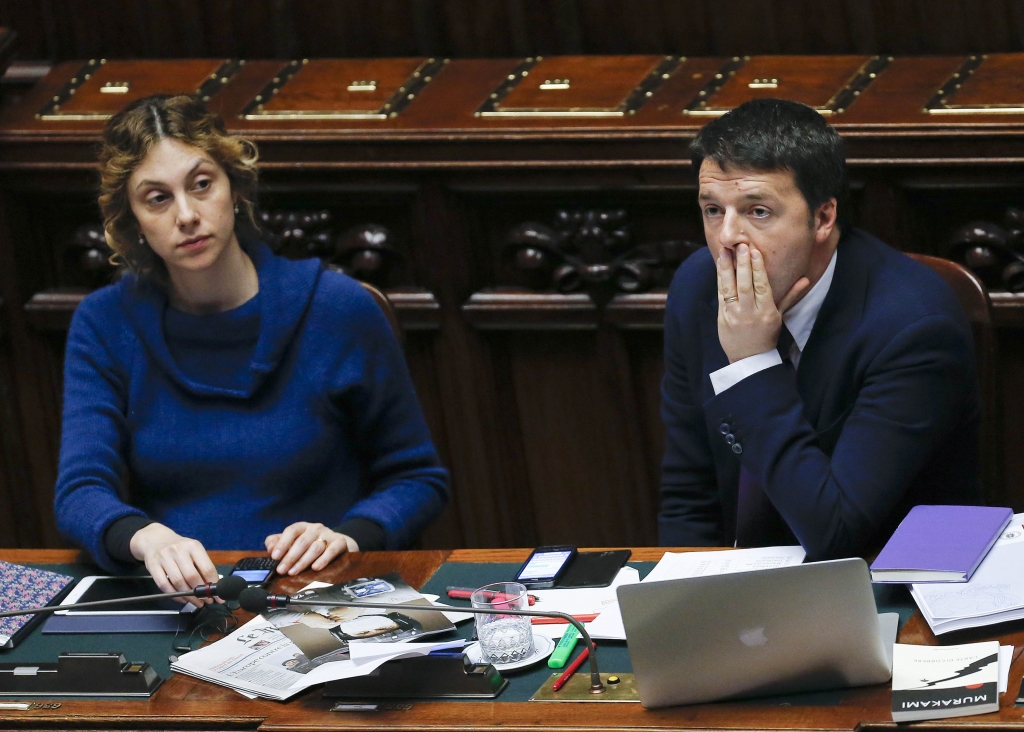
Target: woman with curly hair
x,y
218,396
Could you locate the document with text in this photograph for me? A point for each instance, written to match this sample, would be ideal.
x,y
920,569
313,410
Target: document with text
x,y
994,594
259,660
683,565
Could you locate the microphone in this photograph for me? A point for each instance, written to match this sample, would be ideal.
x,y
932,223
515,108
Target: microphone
x,y
257,599
227,588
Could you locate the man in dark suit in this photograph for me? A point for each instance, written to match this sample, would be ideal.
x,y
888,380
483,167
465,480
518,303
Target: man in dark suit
x,y
818,384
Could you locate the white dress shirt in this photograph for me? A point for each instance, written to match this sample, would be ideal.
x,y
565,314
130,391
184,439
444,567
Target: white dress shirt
x,y
799,319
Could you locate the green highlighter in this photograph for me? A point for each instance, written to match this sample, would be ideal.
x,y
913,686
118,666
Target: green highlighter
x,y
564,648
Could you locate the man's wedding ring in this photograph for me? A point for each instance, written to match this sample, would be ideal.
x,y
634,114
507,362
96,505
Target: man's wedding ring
x,y
734,298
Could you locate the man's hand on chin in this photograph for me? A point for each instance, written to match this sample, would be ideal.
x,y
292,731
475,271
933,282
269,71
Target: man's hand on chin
x,y
748,319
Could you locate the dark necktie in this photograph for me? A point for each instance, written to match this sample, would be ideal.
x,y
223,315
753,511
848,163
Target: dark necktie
x,y
757,521
785,344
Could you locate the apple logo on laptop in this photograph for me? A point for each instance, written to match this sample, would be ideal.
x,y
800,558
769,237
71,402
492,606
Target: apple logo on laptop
x,y
753,637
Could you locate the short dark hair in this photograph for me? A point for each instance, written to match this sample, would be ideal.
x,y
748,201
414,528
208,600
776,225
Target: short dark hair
x,y
776,134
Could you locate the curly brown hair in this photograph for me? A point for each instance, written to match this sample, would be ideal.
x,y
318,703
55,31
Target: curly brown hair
x,y
128,137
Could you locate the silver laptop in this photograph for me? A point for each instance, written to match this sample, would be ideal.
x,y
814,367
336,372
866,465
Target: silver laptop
x,y
774,631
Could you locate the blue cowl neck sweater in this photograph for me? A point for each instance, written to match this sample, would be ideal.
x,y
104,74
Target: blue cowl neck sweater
x,y
297,406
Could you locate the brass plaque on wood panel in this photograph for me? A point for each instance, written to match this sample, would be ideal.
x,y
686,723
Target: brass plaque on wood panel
x,y
829,84
343,88
102,88
579,86
988,84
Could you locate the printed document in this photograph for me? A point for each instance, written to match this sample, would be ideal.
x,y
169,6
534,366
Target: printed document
x,y
994,594
262,659
580,601
258,659
682,565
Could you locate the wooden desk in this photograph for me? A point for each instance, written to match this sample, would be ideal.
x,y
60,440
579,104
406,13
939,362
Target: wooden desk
x,y
186,703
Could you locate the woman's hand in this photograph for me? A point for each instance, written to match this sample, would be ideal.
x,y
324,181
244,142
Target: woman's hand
x,y
176,564
302,545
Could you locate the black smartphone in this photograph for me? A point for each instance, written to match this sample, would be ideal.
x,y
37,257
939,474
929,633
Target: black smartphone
x,y
255,570
594,569
544,566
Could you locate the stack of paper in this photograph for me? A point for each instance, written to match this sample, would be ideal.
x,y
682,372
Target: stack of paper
x,y
682,565
994,594
581,601
259,660
279,655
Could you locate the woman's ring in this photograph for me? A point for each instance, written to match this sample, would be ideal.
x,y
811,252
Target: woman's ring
x,y
734,298
325,542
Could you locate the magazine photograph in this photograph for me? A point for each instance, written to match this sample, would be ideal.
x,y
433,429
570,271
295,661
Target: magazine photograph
x,y
322,633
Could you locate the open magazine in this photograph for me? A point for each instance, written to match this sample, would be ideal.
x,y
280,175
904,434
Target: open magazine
x,y
323,633
285,652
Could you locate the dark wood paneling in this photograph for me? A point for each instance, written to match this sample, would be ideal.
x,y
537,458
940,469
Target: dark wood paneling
x,y
68,29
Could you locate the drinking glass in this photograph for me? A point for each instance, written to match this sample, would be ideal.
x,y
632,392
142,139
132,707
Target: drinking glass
x,y
503,638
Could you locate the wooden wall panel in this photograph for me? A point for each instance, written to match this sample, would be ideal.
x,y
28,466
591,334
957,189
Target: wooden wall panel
x,y
584,448
14,478
67,29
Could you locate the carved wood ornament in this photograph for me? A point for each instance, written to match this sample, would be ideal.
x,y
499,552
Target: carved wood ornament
x,y
993,252
365,251
592,251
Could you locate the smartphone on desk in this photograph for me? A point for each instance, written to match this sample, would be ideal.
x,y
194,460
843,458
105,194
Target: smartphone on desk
x,y
545,566
255,570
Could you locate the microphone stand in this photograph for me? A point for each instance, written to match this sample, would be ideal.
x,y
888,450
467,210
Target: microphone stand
x,y
228,588
256,599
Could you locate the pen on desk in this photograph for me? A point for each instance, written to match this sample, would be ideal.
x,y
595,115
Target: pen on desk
x,y
560,681
555,621
466,593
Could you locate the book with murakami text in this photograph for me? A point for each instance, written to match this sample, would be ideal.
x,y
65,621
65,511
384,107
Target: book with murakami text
x,y
933,682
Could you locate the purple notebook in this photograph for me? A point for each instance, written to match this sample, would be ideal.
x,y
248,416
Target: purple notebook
x,y
22,588
940,544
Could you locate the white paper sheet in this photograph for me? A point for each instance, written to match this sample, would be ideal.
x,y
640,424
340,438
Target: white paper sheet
x,y
994,594
252,660
453,617
363,652
682,565
1005,659
888,626
583,601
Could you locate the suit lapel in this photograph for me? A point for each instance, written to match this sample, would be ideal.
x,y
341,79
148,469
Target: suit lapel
x,y
837,321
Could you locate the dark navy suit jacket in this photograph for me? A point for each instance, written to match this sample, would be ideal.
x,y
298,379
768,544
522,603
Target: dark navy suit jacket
x,y
882,414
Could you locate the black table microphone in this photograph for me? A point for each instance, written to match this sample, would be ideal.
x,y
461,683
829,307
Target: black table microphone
x,y
257,600
227,588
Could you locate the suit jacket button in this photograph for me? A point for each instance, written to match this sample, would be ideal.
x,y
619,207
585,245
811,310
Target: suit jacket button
x,y
725,428
737,448
730,438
